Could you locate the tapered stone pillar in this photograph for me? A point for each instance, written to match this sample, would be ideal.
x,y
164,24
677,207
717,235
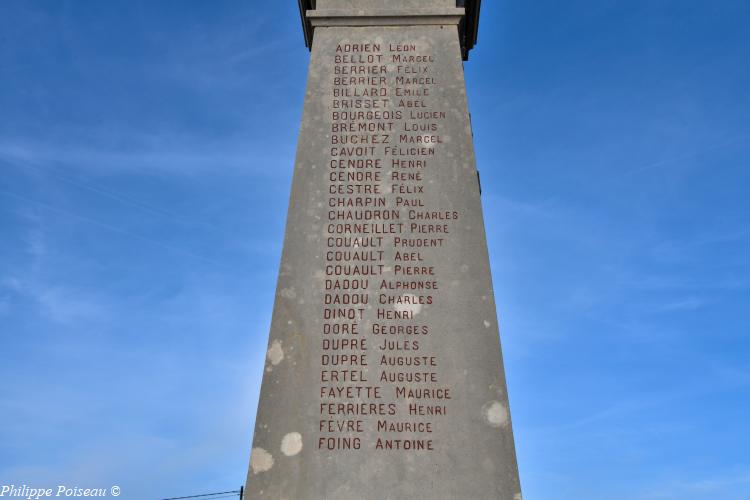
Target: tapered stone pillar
x,y
384,376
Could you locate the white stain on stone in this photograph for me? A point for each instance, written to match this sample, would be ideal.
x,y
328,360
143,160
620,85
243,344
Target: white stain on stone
x,y
487,324
260,460
291,444
288,293
275,353
408,304
496,414
517,496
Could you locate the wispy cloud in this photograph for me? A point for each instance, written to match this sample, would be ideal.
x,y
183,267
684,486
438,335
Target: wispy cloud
x,y
684,304
183,160
59,304
720,485
677,160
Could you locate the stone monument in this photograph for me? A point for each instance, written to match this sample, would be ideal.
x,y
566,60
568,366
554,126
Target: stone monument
x,y
384,376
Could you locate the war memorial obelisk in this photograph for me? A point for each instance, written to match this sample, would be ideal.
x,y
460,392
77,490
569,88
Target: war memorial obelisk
x,y
384,377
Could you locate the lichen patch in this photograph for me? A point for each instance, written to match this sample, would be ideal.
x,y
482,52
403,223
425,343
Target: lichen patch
x,y
408,303
275,353
496,414
260,460
291,444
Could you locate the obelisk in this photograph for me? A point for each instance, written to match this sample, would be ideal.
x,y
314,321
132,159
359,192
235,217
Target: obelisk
x,y
384,376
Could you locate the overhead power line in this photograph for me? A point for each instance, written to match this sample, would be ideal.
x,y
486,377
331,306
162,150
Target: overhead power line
x,y
209,496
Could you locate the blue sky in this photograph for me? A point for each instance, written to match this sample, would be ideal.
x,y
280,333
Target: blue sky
x,y
146,151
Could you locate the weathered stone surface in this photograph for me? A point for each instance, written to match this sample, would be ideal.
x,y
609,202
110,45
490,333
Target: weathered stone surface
x,y
384,273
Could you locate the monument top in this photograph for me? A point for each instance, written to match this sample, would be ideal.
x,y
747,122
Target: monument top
x,y
466,10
